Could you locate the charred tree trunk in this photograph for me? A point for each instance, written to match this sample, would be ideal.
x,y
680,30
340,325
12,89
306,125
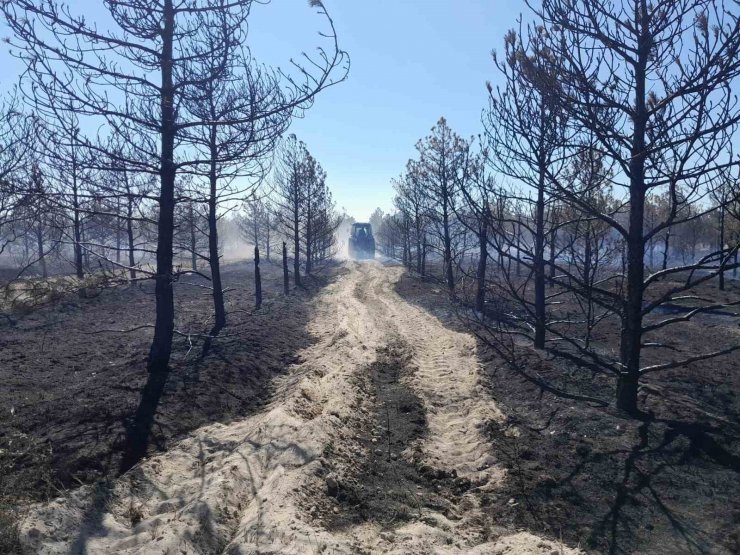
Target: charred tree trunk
x,y
85,251
418,251
539,260
588,280
286,276
631,336
296,246
76,222
257,279
130,237
666,245
405,260
119,233
309,236
137,432
410,247
40,249
553,244
518,248
447,248
722,247
424,257
213,255
193,244
164,326
267,239
480,294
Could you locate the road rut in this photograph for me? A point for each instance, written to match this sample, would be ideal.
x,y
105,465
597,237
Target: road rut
x,y
258,484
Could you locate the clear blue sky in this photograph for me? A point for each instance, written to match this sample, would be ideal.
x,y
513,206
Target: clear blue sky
x,y
412,62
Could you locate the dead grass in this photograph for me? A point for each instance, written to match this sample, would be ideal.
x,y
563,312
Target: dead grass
x,y
23,296
9,528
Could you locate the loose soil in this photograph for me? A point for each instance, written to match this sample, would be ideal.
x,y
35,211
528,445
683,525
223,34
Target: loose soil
x,y
386,487
71,386
357,416
307,470
668,483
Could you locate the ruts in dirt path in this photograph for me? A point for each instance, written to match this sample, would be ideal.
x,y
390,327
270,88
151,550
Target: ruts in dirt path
x,y
373,442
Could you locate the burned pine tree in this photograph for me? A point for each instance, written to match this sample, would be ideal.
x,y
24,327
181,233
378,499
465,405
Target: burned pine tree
x,y
322,221
249,109
257,279
191,227
525,130
132,192
726,196
135,78
729,198
38,207
16,136
652,84
256,223
412,199
304,210
476,213
291,187
403,227
130,200
313,176
58,149
286,275
442,156
589,249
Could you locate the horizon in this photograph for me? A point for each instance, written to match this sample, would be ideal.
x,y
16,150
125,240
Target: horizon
x,y
397,87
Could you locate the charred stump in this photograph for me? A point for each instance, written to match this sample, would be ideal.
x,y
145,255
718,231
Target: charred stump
x,y
257,278
286,277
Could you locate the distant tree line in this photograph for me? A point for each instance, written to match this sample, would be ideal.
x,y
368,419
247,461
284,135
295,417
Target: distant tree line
x,y
602,191
298,209
128,145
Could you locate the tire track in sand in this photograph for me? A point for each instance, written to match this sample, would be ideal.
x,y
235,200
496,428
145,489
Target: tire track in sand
x,y
443,371
447,379
244,487
234,488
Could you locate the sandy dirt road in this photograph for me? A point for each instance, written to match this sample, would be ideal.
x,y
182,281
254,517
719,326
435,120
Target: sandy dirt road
x,y
384,410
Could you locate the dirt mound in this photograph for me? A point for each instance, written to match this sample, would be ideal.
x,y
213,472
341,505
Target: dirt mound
x,y
311,471
666,484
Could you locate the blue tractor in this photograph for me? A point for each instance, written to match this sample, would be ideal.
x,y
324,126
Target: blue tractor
x,y
361,242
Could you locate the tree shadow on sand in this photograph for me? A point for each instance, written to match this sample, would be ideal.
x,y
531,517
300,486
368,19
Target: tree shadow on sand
x,y
231,378
667,482
257,459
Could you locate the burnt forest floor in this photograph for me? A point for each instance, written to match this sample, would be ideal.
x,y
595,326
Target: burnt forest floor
x,y
432,442
667,483
72,375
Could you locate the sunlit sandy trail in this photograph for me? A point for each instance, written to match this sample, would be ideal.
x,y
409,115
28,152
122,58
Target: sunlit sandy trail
x,y
245,487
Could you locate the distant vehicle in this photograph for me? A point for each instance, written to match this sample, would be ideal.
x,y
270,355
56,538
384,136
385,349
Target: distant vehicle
x,y
361,242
